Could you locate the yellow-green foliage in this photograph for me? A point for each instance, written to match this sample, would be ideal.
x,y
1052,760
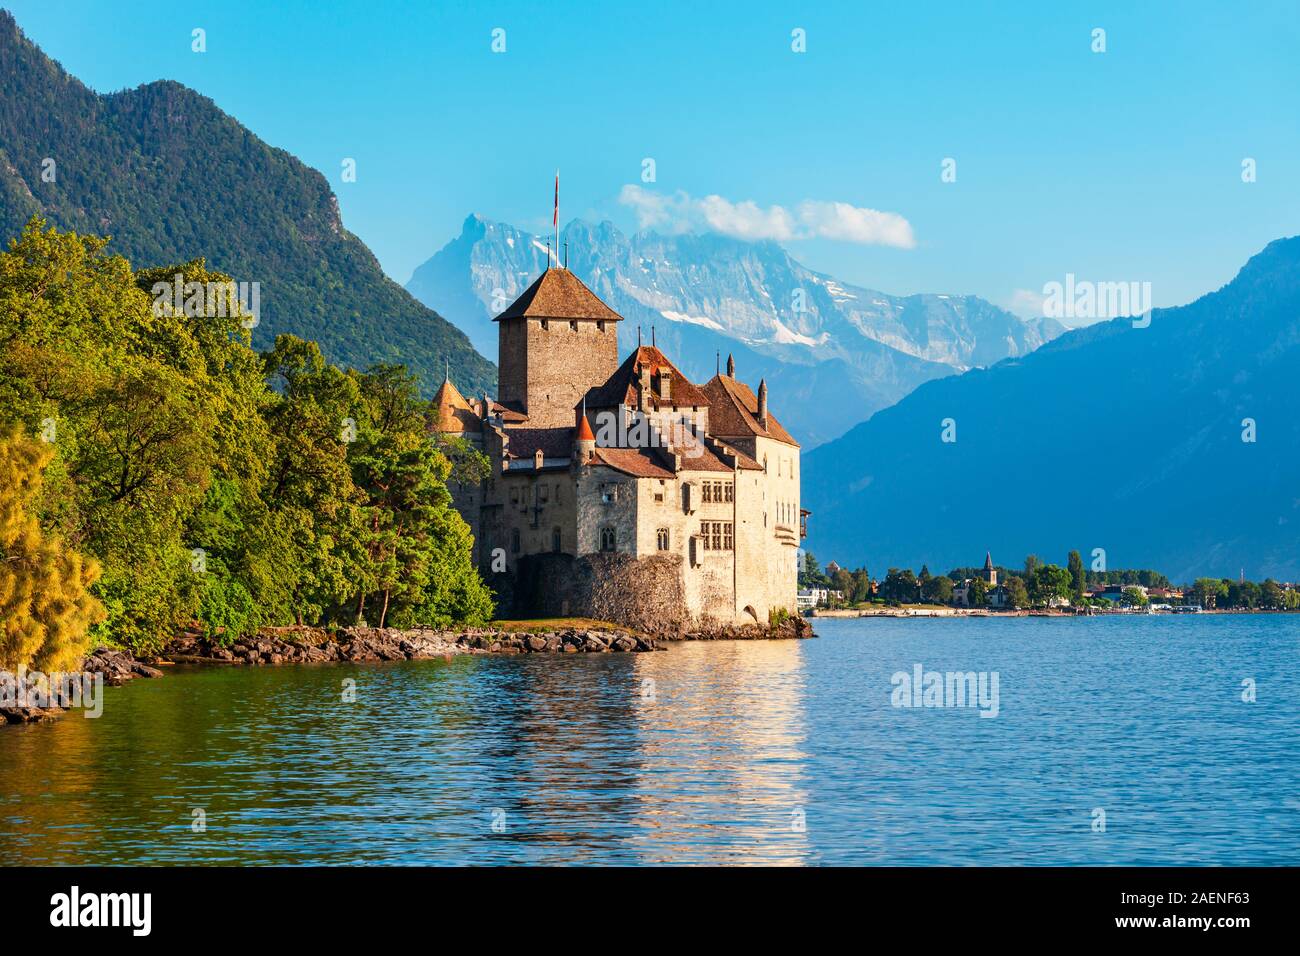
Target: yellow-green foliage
x,y
46,609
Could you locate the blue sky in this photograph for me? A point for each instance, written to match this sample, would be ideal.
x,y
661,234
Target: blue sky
x,y
1122,165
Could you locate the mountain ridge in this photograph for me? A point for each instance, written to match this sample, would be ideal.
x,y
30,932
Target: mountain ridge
x,y
168,175
1160,472
848,349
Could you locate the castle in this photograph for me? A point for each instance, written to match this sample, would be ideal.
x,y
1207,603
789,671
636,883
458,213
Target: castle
x,y
623,491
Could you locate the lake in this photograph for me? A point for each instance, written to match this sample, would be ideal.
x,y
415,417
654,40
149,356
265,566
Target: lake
x,y
708,753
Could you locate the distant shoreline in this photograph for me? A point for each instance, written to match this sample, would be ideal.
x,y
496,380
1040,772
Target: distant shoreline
x,y
949,612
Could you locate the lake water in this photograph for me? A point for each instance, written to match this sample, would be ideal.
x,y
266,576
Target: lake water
x,y
765,752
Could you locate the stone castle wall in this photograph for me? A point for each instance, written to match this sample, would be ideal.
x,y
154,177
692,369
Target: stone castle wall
x,y
547,365
645,594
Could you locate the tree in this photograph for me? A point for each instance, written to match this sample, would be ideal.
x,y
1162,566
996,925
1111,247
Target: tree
x,y
1272,595
1075,565
46,608
213,485
1207,591
979,592
1134,597
937,590
812,576
861,586
842,581
1048,581
900,587
1032,564
1017,593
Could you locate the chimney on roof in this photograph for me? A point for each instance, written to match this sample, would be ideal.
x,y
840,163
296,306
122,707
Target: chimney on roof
x,y
762,403
643,383
537,459
731,366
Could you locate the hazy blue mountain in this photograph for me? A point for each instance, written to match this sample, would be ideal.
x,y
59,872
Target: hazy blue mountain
x,y
171,178
1115,437
845,354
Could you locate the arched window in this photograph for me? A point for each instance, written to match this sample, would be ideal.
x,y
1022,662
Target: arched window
x,y
555,540
514,540
607,539
661,538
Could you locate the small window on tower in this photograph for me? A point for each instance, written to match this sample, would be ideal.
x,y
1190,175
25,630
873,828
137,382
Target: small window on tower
x,y
573,326
661,539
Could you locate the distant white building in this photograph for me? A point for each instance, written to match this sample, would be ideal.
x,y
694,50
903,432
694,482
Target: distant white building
x,y
816,597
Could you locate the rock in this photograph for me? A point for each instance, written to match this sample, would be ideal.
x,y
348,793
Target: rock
x,y
537,643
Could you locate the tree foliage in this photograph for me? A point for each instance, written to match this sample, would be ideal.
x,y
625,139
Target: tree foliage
x,y
213,484
46,608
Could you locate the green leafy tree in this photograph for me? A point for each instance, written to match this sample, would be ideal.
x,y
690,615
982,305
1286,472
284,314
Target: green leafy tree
x,y
937,590
1048,581
900,587
1208,591
1017,593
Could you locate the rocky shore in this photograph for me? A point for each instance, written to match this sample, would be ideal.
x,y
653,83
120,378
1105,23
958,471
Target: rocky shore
x,y
312,645
306,645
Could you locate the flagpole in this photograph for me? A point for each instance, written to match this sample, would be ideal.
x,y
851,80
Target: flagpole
x,y
556,217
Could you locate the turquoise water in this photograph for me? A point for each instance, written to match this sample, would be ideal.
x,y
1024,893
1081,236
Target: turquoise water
x,y
765,752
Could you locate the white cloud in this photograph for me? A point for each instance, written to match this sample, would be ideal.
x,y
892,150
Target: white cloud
x,y
681,212
1027,303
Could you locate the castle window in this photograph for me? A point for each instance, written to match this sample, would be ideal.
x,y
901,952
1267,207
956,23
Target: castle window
x,y
730,490
600,325
514,496
542,493
555,540
514,540
607,494
708,492
716,535
607,542
546,324
557,493
661,539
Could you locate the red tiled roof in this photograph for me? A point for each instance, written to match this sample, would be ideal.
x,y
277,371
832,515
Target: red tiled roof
x,y
623,386
559,294
451,414
733,411
638,462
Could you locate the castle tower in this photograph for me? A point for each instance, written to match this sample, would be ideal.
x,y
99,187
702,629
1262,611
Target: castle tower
x,y
555,342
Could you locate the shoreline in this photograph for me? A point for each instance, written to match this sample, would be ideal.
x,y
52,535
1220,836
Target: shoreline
x,y
274,646
906,611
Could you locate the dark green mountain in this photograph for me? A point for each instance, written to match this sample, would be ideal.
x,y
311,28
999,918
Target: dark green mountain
x,y
171,178
1114,437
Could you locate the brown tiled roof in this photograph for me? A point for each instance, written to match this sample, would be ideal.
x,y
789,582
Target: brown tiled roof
x,y
638,462
733,411
744,461
508,413
621,387
559,294
451,414
524,442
